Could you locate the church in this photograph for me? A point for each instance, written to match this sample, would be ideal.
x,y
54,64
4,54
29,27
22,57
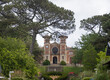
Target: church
x,y
57,52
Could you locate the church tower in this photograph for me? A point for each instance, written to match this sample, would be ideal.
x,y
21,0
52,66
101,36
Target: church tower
x,y
63,48
46,47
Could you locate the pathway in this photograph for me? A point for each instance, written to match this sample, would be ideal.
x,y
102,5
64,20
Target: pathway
x,y
54,77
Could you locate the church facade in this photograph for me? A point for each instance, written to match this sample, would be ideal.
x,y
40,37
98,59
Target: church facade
x,y
57,52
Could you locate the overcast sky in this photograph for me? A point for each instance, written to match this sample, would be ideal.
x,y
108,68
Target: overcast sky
x,y
83,9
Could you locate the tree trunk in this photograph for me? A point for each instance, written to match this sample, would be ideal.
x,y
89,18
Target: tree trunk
x,y
33,42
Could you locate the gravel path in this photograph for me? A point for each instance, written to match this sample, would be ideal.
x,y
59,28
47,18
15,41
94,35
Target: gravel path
x,y
53,77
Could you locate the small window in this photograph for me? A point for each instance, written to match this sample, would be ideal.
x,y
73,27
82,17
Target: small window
x,y
46,46
70,53
47,57
62,57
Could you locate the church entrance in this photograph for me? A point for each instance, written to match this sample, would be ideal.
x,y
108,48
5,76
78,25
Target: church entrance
x,y
54,60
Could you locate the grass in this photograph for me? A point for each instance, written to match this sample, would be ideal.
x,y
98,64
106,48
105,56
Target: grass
x,y
68,69
42,69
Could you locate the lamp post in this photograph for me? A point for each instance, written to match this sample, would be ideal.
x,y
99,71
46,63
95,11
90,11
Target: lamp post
x,y
10,74
108,49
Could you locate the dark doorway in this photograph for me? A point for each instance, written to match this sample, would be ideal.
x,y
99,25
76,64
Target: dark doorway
x,y
54,60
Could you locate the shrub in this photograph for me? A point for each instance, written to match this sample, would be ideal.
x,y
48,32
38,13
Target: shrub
x,y
101,76
63,77
15,56
16,79
62,63
46,62
87,78
87,74
54,73
46,77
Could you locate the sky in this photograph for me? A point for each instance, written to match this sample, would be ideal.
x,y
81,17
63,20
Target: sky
x,y
83,9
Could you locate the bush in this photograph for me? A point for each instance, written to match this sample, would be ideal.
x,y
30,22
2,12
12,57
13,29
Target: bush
x,y
46,62
63,77
16,79
46,77
54,73
62,63
87,78
101,76
15,56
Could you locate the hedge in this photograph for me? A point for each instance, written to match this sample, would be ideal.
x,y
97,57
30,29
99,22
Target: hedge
x,y
62,77
46,77
46,62
62,63
16,79
87,78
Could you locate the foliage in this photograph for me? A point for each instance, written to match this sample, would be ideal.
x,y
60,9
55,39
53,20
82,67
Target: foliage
x,y
17,79
62,77
21,18
75,78
62,63
76,70
106,23
54,73
77,58
4,79
14,56
44,15
46,77
42,69
37,52
93,39
102,69
87,78
102,58
89,58
90,24
98,25
101,76
100,22
9,21
87,74
46,62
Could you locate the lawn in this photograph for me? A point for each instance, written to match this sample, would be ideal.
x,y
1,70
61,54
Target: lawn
x,y
42,69
66,69
76,70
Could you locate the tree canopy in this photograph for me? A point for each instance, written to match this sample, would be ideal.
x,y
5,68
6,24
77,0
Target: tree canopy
x,y
34,17
98,25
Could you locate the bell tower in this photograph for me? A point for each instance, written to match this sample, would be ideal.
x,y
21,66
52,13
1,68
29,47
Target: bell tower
x,y
46,47
63,48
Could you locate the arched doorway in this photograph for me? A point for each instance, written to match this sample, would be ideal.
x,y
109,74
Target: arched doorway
x,y
55,60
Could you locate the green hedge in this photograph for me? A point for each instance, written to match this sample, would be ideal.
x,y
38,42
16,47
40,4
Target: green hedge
x,y
16,79
62,63
46,77
54,73
62,77
46,62
87,78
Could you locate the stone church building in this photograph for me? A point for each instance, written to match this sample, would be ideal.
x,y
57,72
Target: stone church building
x,y
57,52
